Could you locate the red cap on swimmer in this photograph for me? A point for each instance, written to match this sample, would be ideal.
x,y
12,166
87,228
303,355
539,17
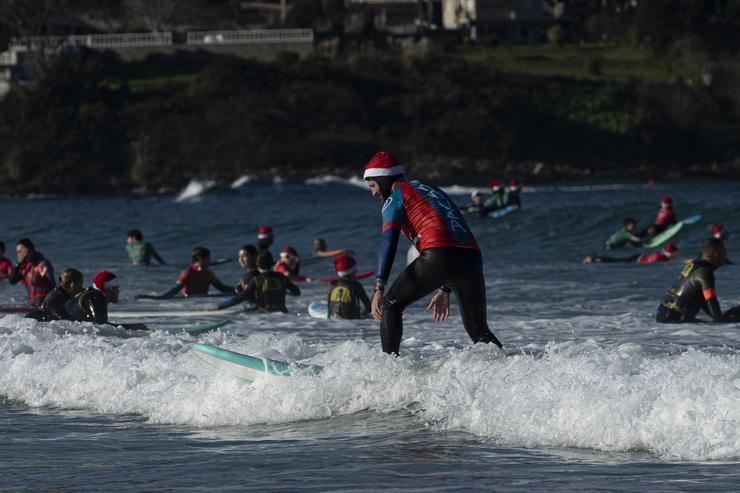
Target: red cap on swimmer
x,y
345,265
382,164
496,185
718,231
264,232
669,249
104,279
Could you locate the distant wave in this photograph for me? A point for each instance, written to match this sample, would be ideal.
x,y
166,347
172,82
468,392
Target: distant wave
x,y
242,180
194,190
355,181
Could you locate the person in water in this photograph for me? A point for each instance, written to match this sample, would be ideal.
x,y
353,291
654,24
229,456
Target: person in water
x,y
289,263
6,266
477,206
497,199
695,290
320,249
91,304
511,197
247,257
449,259
269,288
139,251
718,231
34,271
198,277
624,237
265,238
663,220
346,294
54,306
668,252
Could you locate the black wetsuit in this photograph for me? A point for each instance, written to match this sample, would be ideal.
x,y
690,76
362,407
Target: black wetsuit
x,y
268,290
53,307
263,246
345,297
459,268
89,306
694,291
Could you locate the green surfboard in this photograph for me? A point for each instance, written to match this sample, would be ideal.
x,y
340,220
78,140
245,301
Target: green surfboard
x,y
248,367
669,233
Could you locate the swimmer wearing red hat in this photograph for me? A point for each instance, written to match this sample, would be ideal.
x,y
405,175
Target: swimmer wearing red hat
x,y
347,298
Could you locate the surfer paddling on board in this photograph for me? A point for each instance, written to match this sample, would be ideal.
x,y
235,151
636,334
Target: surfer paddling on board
x,y
6,266
695,291
346,294
449,259
625,237
496,200
320,249
668,252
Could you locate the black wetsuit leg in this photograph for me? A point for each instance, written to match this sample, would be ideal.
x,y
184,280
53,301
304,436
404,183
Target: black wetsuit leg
x,y
732,315
667,316
613,260
459,268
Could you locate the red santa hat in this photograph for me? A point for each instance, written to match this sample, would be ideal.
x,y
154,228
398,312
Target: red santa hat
x,y
718,231
495,185
669,249
382,164
514,185
345,265
289,252
103,280
264,232
666,202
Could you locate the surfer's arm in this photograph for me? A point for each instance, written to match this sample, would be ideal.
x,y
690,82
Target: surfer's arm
x,y
154,253
15,275
216,283
292,288
240,297
97,308
171,292
705,278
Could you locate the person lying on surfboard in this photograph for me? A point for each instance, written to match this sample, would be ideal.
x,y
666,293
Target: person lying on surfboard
x,y
346,294
6,266
695,291
197,278
320,249
668,252
54,306
449,259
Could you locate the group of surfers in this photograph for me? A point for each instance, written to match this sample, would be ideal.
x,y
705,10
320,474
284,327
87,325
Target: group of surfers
x,y
449,261
501,197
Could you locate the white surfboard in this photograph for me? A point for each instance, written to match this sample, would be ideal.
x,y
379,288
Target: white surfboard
x,y
172,313
319,310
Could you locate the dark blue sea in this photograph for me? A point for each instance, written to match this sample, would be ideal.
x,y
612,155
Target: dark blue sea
x,y
590,393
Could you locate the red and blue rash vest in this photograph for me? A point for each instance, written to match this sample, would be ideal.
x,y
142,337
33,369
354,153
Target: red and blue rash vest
x,y
195,281
426,216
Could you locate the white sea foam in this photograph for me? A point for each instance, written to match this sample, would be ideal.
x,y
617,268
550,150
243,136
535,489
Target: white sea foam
x,y
354,181
586,395
194,190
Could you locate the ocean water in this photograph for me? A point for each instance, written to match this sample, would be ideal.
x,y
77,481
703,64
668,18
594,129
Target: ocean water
x,y
590,393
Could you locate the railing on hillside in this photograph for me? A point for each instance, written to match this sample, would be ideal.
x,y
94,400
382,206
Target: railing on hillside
x,y
124,40
8,58
252,36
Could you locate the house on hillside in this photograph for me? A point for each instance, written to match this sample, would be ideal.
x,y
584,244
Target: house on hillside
x,y
402,17
504,21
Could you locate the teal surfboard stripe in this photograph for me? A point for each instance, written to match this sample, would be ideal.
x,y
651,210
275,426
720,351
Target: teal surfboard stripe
x,y
199,329
503,212
263,365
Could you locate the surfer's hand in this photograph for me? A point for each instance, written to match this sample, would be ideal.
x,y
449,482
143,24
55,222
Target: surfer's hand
x,y
440,305
376,303
43,269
